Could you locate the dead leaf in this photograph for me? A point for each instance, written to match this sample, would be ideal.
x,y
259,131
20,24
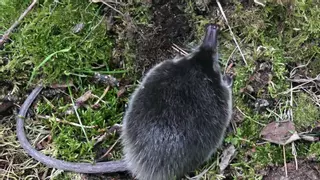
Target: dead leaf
x,y
121,91
82,99
226,158
280,133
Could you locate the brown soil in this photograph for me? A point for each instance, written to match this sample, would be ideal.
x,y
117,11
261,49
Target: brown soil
x,y
170,25
306,171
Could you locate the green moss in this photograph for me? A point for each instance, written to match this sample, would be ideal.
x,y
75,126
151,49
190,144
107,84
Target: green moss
x,y
10,11
314,150
315,66
306,113
69,141
49,29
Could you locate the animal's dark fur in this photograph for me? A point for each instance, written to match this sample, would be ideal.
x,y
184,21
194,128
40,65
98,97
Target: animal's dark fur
x,y
177,117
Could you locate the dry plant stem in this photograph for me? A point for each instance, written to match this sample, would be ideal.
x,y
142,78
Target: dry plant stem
x,y
104,2
65,122
298,87
293,71
97,97
116,128
249,117
294,152
6,35
284,160
43,139
230,56
179,50
233,36
110,149
104,94
75,108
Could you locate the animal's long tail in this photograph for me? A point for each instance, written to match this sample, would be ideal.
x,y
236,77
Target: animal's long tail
x,y
101,167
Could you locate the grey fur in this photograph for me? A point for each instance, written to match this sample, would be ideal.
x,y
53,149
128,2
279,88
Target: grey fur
x,y
177,117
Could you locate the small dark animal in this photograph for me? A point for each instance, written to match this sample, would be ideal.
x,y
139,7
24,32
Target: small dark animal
x,y
175,121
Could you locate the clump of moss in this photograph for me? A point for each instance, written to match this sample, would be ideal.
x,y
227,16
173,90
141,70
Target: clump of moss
x,y
306,113
48,29
314,150
10,11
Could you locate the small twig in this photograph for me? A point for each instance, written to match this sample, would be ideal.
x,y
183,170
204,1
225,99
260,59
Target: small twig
x,y
75,110
279,116
294,151
317,78
301,85
200,175
231,32
6,35
65,122
107,4
104,94
92,29
284,160
179,50
249,117
110,149
97,97
292,72
230,56
116,128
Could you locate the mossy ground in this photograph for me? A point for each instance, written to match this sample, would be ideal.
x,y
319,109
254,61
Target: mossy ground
x,y
126,45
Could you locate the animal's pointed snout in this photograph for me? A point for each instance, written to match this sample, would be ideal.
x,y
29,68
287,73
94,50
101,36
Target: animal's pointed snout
x,y
210,41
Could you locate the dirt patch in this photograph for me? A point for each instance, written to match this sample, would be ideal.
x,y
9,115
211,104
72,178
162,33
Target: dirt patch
x,y
170,25
306,171
257,86
114,176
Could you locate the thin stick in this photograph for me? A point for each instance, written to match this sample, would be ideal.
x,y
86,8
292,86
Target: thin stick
x,y
232,34
179,50
292,72
104,94
65,122
297,87
294,152
107,4
110,149
75,110
97,97
6,35
284,160
230,56
249,117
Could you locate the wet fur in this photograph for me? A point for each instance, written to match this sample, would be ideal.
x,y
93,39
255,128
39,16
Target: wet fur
x,y
177,118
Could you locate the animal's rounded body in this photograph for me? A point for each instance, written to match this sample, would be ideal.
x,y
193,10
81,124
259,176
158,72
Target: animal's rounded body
x,y
176,118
